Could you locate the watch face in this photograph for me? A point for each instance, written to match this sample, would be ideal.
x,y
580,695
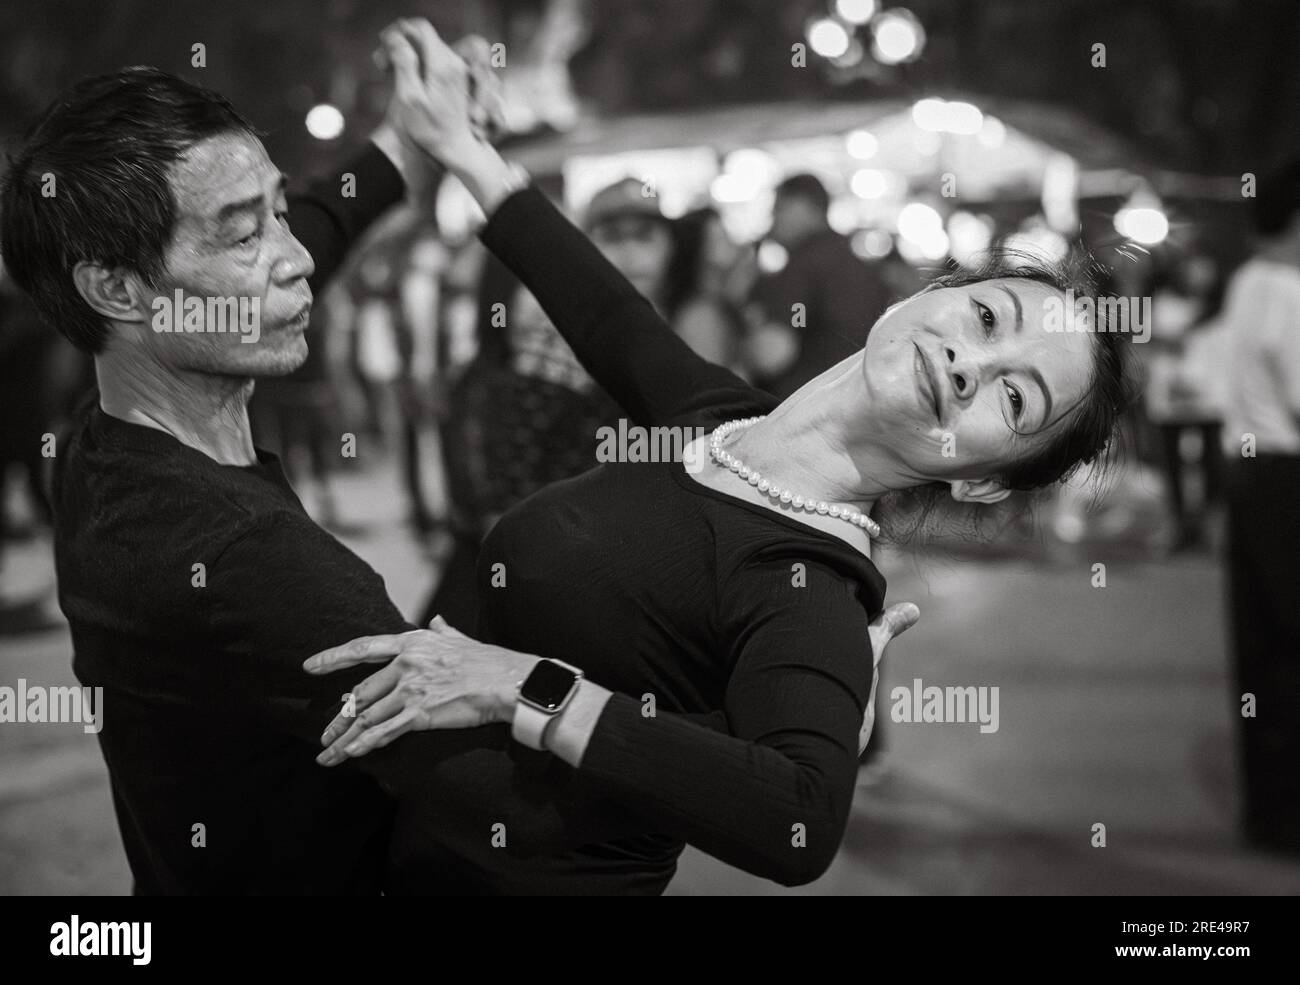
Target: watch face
x,y
548,685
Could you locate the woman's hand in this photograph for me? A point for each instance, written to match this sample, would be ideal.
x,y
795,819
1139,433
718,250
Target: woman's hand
x,y
431,102
445,100
438,678
446,105
894,621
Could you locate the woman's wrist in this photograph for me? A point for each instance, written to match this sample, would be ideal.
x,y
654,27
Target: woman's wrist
x,y
483,172
571,731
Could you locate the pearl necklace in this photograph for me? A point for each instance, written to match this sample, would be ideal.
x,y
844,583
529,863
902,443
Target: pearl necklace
x,y
769,488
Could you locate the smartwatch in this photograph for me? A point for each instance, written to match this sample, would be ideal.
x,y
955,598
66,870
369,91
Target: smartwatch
x,y
543,695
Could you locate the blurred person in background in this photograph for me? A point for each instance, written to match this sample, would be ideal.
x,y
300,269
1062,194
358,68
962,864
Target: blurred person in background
x,y
419,290
626,224
41,379
902,280
1183,399
839,295
1261,447
522,415
708,280
376,359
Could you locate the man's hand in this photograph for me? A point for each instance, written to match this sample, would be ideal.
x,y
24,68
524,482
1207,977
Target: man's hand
x,y
894,621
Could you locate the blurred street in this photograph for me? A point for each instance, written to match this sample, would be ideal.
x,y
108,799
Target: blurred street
x,y
1108,715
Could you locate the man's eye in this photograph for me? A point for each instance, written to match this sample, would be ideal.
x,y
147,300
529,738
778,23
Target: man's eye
x,y
250,239
282,216
1017,401
987,318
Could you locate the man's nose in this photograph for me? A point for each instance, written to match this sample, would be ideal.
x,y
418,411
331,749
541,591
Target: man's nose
x,y
295,262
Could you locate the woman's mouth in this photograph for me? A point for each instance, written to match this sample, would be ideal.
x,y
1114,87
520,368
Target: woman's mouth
x,y
926,383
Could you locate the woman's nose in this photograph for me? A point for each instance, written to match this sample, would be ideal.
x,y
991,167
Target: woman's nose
x,y
961,369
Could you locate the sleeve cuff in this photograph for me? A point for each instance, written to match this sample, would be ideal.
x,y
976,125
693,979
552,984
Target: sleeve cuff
x,y
524,208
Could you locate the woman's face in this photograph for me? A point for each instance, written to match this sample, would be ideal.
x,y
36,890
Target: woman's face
x,y
956,373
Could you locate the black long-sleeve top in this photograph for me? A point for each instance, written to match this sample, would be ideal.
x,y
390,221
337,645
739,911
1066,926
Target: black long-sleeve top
x,y
746,631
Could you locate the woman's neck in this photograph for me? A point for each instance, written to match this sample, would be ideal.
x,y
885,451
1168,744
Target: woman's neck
x,y
208,413
812,444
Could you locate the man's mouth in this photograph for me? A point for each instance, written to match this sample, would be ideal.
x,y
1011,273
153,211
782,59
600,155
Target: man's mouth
x,y
927,382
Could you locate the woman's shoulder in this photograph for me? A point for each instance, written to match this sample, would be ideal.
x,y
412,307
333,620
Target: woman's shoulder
x,y
769,554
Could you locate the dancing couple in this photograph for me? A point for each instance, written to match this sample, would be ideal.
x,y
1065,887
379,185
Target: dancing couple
x,y
667,653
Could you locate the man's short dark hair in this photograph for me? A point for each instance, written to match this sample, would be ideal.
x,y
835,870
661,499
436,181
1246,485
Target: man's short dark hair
x,y
90,183
808,187
1277,198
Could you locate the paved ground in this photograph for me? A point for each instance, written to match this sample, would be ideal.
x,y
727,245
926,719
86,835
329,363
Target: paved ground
x,y
1113,709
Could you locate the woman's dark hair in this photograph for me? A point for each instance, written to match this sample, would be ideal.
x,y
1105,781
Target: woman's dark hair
x,y
1080,435
90,183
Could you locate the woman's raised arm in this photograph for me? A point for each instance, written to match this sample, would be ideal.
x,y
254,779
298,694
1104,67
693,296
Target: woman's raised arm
x,y
614,331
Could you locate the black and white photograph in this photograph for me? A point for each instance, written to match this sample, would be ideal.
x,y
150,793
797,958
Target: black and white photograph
x,y
651,447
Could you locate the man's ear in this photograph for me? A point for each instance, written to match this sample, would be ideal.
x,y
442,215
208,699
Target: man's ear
x,y
110,292
979,491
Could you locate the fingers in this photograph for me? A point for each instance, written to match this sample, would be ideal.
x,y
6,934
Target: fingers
x,y
365,694
405,62
352,729
894,621
364,649
901,617
370,739
439,61
475,49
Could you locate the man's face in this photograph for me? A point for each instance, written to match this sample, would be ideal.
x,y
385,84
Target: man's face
x,y
232,241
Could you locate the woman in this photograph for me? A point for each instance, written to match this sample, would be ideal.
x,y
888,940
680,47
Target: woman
x,y
719,610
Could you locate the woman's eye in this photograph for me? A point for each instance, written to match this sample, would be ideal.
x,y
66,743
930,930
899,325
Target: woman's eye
x,y
987,318
1017,401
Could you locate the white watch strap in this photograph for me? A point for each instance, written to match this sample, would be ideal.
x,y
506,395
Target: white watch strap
x,y
529,725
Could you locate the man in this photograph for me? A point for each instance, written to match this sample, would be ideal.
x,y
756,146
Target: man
x,y
1261,447
819,307
192,579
